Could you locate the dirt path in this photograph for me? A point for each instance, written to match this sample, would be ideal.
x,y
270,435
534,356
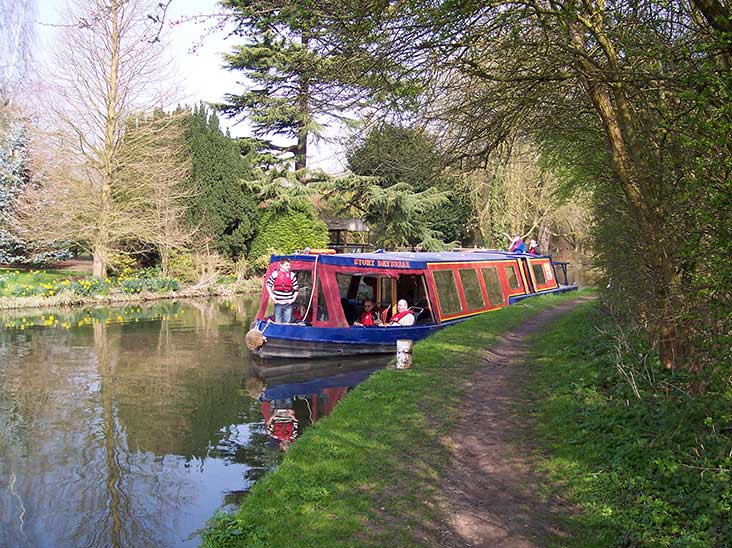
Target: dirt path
x,y
491,496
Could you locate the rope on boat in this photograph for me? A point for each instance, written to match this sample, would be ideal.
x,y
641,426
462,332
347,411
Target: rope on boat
x,y
312,291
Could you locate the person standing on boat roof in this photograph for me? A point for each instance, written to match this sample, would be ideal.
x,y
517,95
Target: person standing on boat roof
x,y
404,316
369,316
282,287
533,248
517,245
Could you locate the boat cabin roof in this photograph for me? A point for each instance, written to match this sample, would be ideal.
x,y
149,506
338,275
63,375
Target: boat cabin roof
x,y
406,260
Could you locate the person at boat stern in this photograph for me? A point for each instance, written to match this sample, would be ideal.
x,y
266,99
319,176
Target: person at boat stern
x,y
282,287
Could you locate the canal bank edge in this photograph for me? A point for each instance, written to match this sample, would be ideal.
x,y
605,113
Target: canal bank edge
x,y
68,300
370,474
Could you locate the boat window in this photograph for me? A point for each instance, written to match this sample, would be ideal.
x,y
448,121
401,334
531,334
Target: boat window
x,y
471,287
513,282
305,283
538,274
413,289
322,304
493,286
447,292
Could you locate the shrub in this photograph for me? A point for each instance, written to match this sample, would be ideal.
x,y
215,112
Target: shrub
x,y
149,272
162,285
90,286
243,268
261,263
288,232
182,266
132,286
121,265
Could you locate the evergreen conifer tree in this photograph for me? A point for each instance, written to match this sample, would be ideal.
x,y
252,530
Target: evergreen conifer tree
x,y
220,206
297,80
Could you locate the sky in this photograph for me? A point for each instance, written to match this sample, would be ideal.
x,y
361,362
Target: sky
x,y
197,55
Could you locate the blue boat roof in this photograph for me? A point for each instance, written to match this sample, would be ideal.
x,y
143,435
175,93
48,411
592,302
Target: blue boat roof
x,y
405,259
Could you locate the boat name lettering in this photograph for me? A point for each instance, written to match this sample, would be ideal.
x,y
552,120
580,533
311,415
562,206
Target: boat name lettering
x,y
393,264
381,263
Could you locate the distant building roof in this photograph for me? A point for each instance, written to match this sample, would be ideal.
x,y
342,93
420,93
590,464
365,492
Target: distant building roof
x,y
351,225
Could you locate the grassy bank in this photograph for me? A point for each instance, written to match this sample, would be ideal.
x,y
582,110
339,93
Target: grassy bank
x,y
648,471
48,289
366,475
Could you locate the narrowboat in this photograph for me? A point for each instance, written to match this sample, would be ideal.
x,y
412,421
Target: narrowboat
x,y
440,288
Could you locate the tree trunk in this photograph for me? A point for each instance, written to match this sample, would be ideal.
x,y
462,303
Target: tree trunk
x,y
102,246
301,149
99,266
164,251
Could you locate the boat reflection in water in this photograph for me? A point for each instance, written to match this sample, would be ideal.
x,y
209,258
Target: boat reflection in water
x,y
293,395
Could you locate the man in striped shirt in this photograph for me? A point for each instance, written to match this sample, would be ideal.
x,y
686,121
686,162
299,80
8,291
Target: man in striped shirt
x,y
283,287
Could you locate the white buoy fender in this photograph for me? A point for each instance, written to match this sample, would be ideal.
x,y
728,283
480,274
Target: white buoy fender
x,y
404,353
254,339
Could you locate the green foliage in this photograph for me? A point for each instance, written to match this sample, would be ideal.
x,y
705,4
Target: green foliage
x,y
647,467
182,266
397,154
287,232
297,78
89,286
280,191
397,214
121,265
133,286
220,206
403,192
261,263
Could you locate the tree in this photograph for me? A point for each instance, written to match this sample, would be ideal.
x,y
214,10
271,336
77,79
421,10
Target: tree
x,y
15,176
106,71
158,164
220,207
296,81
15,46
290,221
624,76
417,202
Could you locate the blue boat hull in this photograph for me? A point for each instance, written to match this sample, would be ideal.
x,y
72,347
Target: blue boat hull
x,y
305,341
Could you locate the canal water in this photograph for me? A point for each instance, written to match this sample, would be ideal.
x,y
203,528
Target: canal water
x,y
132,426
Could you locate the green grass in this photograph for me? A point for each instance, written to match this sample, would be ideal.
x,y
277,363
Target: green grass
x,y
643,472
366,475
31,282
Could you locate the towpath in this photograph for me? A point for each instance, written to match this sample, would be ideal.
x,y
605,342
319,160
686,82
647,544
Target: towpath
x,y
491,496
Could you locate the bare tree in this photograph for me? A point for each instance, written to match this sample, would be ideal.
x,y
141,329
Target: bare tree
x,y
105,69
156,158
16,35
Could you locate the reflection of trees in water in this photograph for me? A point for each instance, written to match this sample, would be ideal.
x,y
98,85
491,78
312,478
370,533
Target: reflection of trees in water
x,y
141,391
